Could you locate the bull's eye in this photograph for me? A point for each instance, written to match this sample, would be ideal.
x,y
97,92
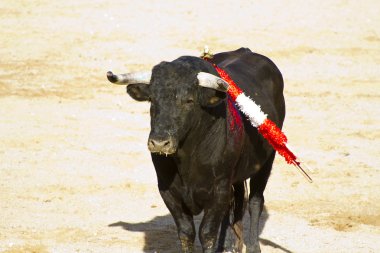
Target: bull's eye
x,y
190,101
213,100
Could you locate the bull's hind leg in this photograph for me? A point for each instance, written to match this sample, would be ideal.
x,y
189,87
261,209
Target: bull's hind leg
x,y
231,231
256,203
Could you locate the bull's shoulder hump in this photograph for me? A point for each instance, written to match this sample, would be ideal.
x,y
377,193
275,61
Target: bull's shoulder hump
x,y
243,57
225,57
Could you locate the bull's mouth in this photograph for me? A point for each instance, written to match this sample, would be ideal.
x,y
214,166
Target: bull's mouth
x,y
163,153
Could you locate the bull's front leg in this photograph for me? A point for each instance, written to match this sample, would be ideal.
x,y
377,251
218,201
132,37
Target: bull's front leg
x,y
183,219
170,186
213,216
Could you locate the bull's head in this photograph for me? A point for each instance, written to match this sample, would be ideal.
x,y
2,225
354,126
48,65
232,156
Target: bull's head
x,y
177,92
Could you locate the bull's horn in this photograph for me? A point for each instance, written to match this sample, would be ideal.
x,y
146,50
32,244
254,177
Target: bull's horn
x,y
212,81
129,78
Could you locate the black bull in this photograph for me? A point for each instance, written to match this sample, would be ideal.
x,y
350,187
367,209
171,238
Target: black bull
x,y
203,149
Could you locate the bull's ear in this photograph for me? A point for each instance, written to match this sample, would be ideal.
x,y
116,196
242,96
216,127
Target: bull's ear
x,y
211,97
139,91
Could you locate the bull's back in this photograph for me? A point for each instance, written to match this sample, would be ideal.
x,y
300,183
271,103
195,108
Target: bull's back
x,y
258,77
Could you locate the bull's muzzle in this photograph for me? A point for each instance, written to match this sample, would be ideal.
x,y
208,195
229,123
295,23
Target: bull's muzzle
x,y
162,146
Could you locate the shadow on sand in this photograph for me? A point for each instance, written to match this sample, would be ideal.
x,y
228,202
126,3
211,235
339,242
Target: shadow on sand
x,y
161,233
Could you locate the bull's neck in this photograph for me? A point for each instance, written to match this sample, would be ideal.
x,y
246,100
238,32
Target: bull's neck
x,y
208,132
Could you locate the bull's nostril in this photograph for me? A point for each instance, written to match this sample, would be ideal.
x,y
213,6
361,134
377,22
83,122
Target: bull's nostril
x,y
161,145
156,143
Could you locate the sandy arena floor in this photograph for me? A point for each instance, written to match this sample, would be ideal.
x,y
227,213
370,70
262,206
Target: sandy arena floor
x,y
75,173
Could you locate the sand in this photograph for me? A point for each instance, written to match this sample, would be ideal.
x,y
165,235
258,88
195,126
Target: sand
x,y
75,172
